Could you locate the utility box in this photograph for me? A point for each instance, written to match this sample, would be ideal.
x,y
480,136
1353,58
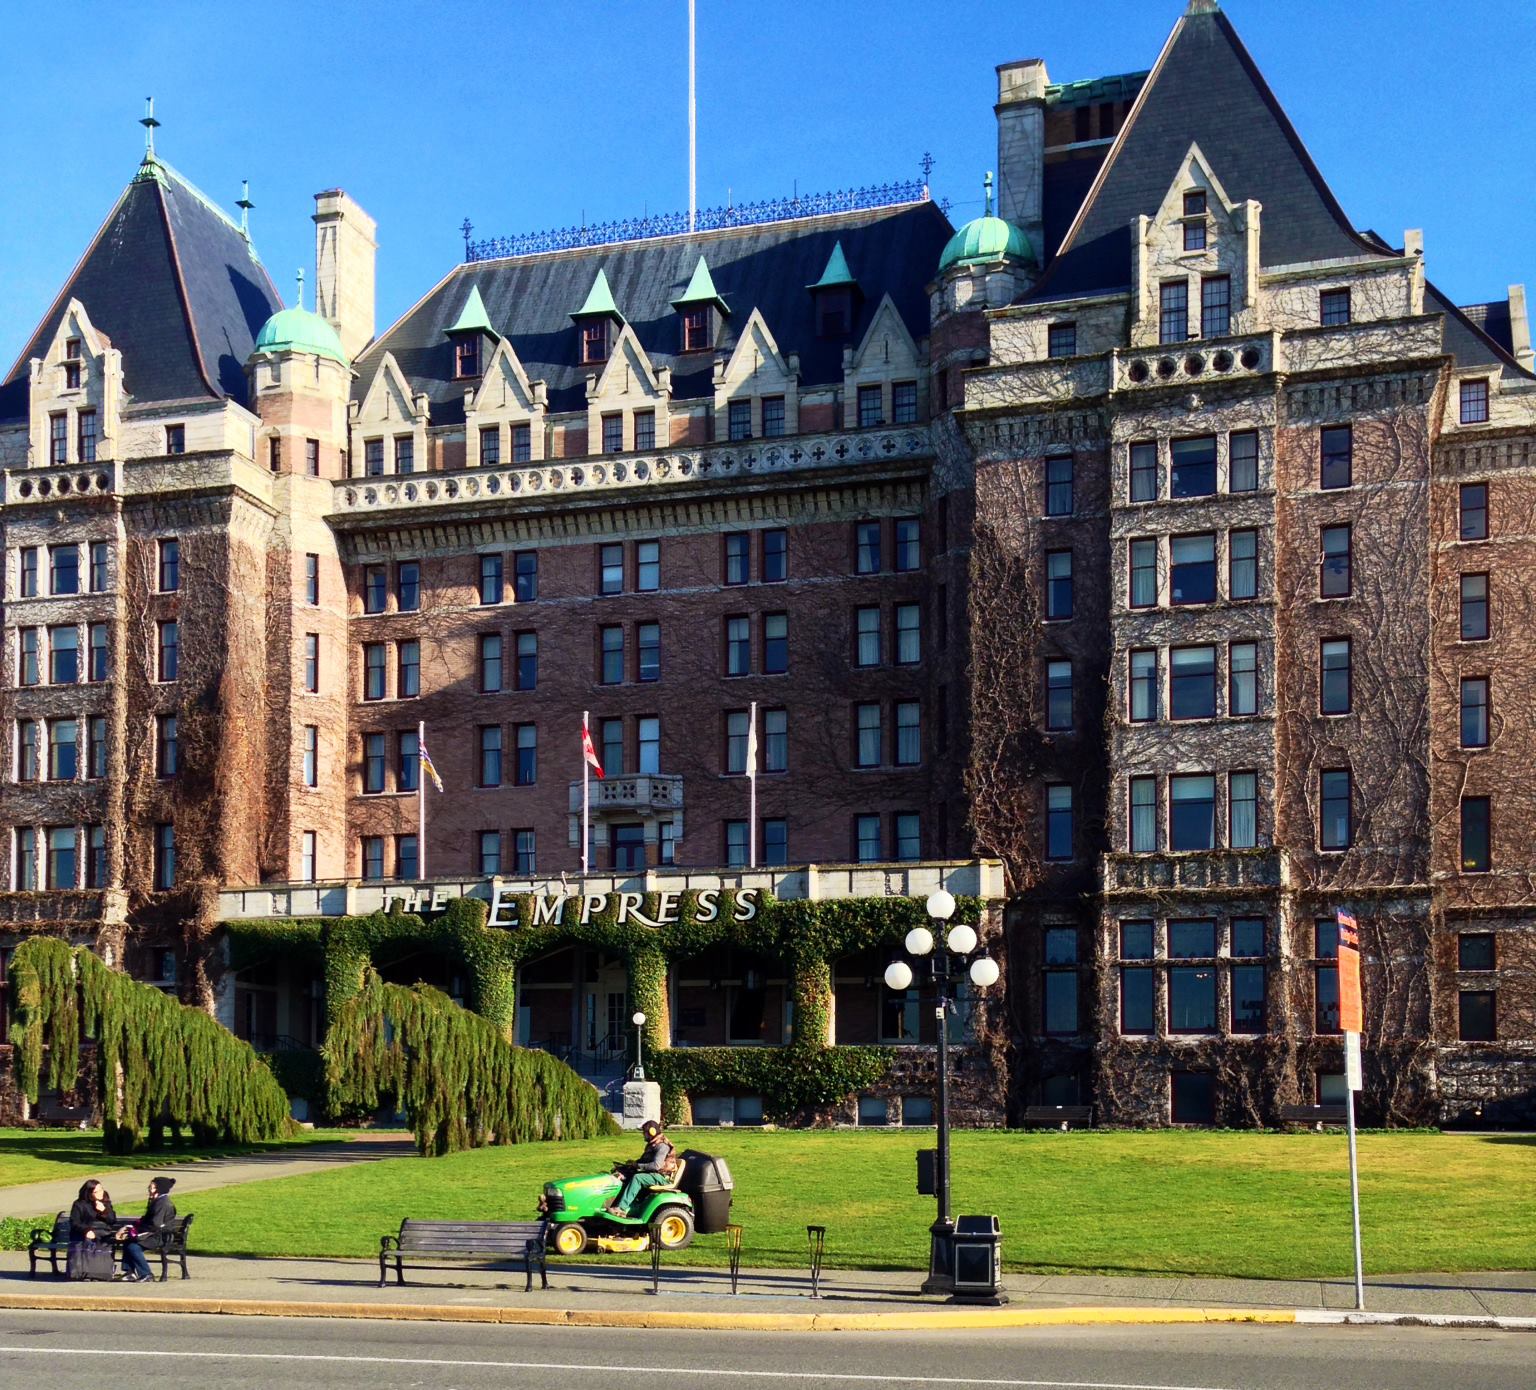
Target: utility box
x,y
927,1172
977,1254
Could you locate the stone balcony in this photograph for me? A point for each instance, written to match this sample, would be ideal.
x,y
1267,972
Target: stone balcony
x,y
60,482
1196,363
1208,871
642,792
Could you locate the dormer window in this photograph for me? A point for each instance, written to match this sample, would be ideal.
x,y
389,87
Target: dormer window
x,y
466,357
594,341
834,311
1194,220
698,308
72,364
696,326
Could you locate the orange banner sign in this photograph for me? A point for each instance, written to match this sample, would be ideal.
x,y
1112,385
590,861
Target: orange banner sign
x,y
1351,1009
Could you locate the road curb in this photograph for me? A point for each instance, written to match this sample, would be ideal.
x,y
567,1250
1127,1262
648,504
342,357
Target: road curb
x,y
1324,1317
659,1318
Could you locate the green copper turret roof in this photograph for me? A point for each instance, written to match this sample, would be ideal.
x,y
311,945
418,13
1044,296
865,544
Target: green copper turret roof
x,y
701,289
599,301
836,273
986,239
299,330
472,317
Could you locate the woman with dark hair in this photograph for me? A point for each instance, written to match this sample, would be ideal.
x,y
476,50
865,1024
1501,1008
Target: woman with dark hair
x,y
93,1219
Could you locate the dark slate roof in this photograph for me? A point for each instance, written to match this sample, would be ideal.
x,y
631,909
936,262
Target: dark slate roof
x,y
1205,89
529,299
1493,319
176,287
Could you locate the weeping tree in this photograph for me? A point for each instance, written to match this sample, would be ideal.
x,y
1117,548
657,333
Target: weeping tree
x,y
157,1062
460,1081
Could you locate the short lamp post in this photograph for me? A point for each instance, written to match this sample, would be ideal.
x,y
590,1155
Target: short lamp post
x,y
948,964
639,1021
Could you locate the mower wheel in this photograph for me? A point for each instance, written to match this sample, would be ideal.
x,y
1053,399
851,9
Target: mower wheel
x,y
674,1227
570,1238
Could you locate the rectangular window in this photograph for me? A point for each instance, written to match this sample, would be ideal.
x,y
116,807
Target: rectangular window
x,y
610,660
1058,695
773,417
63,655
1193,472
868,736
25,877
904,403
775,845
612,740
373,857
1191,812
167,746
64,748
1325,972
169,655
407,760
1242,564
1173,311
1474,712
375,671
312,662
58,439
1474,402
1058,821
490,662
490,853
524,857
1143,685
466,357
373,465
1215,306
1192,682
526,741
169,566
1335,809
775,756
1143,819
1336,575
26,750
739,419
909,634
866,839
1058,584
1061,340
1474,511
775,557
1143,574
1058,485
525,576
1143,472
610,569
1475,1010
1059,990
1136,982
85,436
775,643
648,651
408,672
95,856
1243,462
307,856
738,646
1248,937
375,589
27,657
645,429
175,439
613,434
490,579
647,566
312,580
406,858
490,755
1333,308
527,660
1337,676
165,857
735,844
738,558
648,744
312,457
1194,221
1476,834
490,446
275,454
1191,998
666,842
866,637
1475,951
1243,810
696,326
909,733
871,409
408,586
27,571
1474,607
866,547
61,856
64,569
373,764
1337,447
311,755
1192,569
737,733
908,834
1243,678
522,443
908,545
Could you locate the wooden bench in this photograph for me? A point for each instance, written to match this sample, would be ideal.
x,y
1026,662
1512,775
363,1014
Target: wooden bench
x,y
1312,1114
482,1241
1058,1116
170,1244
50,1243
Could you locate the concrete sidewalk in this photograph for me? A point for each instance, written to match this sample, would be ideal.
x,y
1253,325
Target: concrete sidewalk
x,y
592,1294
127,1184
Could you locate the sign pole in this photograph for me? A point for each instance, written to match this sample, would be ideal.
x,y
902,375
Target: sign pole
x,y
1351,1085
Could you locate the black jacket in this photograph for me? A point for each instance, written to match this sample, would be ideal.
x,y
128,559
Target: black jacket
x,y
84,1217
160,1213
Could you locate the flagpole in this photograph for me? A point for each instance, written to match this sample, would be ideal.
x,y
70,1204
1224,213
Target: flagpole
x,y
586,776
752,785
421,803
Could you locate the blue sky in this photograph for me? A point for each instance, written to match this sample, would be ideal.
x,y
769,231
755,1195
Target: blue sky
x,y
525,115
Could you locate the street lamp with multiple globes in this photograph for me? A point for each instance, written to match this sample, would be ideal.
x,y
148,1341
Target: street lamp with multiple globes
x,y
957,960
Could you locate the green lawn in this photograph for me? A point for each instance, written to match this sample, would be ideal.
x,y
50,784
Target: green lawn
x,y
1170,1202
40,1155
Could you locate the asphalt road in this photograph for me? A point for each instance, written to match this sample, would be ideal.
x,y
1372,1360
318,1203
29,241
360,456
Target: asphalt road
x,y
126,1350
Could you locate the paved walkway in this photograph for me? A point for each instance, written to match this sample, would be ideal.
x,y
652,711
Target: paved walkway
x,y
596,1294
127,1184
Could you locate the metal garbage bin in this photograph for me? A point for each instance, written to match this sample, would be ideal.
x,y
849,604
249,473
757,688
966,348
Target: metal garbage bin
x,y
977,1255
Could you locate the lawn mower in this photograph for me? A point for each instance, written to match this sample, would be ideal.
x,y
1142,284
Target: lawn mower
x,y
698,1199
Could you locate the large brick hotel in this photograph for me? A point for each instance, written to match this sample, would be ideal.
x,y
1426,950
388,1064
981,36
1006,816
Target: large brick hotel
x,y
1152,558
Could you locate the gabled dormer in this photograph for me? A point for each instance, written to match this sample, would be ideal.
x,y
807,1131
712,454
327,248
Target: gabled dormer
x,y
389,425
837,297
1195,261
885,379
597,322
76,394
629,402
700,312
504,415
757,389
472,337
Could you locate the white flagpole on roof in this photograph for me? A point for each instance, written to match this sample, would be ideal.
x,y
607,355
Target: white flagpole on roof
x,y
586,775
421,803
752,785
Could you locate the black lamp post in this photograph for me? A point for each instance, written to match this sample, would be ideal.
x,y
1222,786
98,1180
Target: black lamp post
x,y
949,963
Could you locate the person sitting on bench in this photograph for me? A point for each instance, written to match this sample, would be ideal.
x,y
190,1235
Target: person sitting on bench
x,y
655,1169
159,1215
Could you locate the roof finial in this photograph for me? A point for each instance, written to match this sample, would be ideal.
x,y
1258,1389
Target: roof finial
x,y
149,123
301,287
245,205
1203,7
987,184
468,229
926,165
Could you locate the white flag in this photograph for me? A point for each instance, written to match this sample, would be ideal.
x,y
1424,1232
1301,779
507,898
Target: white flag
x,y
752,743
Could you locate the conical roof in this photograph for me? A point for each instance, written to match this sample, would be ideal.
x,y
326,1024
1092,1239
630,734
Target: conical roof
x,y
701,289
836,273
472,317
599,301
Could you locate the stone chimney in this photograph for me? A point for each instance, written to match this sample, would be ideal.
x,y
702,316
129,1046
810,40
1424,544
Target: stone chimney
x,y
1520,329
1021,147
345,252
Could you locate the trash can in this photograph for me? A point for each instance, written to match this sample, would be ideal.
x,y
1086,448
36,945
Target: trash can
x,y
707,1180
977,1247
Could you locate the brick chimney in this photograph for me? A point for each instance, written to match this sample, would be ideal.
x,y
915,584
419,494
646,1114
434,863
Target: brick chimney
x,y
345,252
1021,147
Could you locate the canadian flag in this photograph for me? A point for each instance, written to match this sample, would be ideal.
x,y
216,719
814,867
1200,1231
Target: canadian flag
x,y
588,751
